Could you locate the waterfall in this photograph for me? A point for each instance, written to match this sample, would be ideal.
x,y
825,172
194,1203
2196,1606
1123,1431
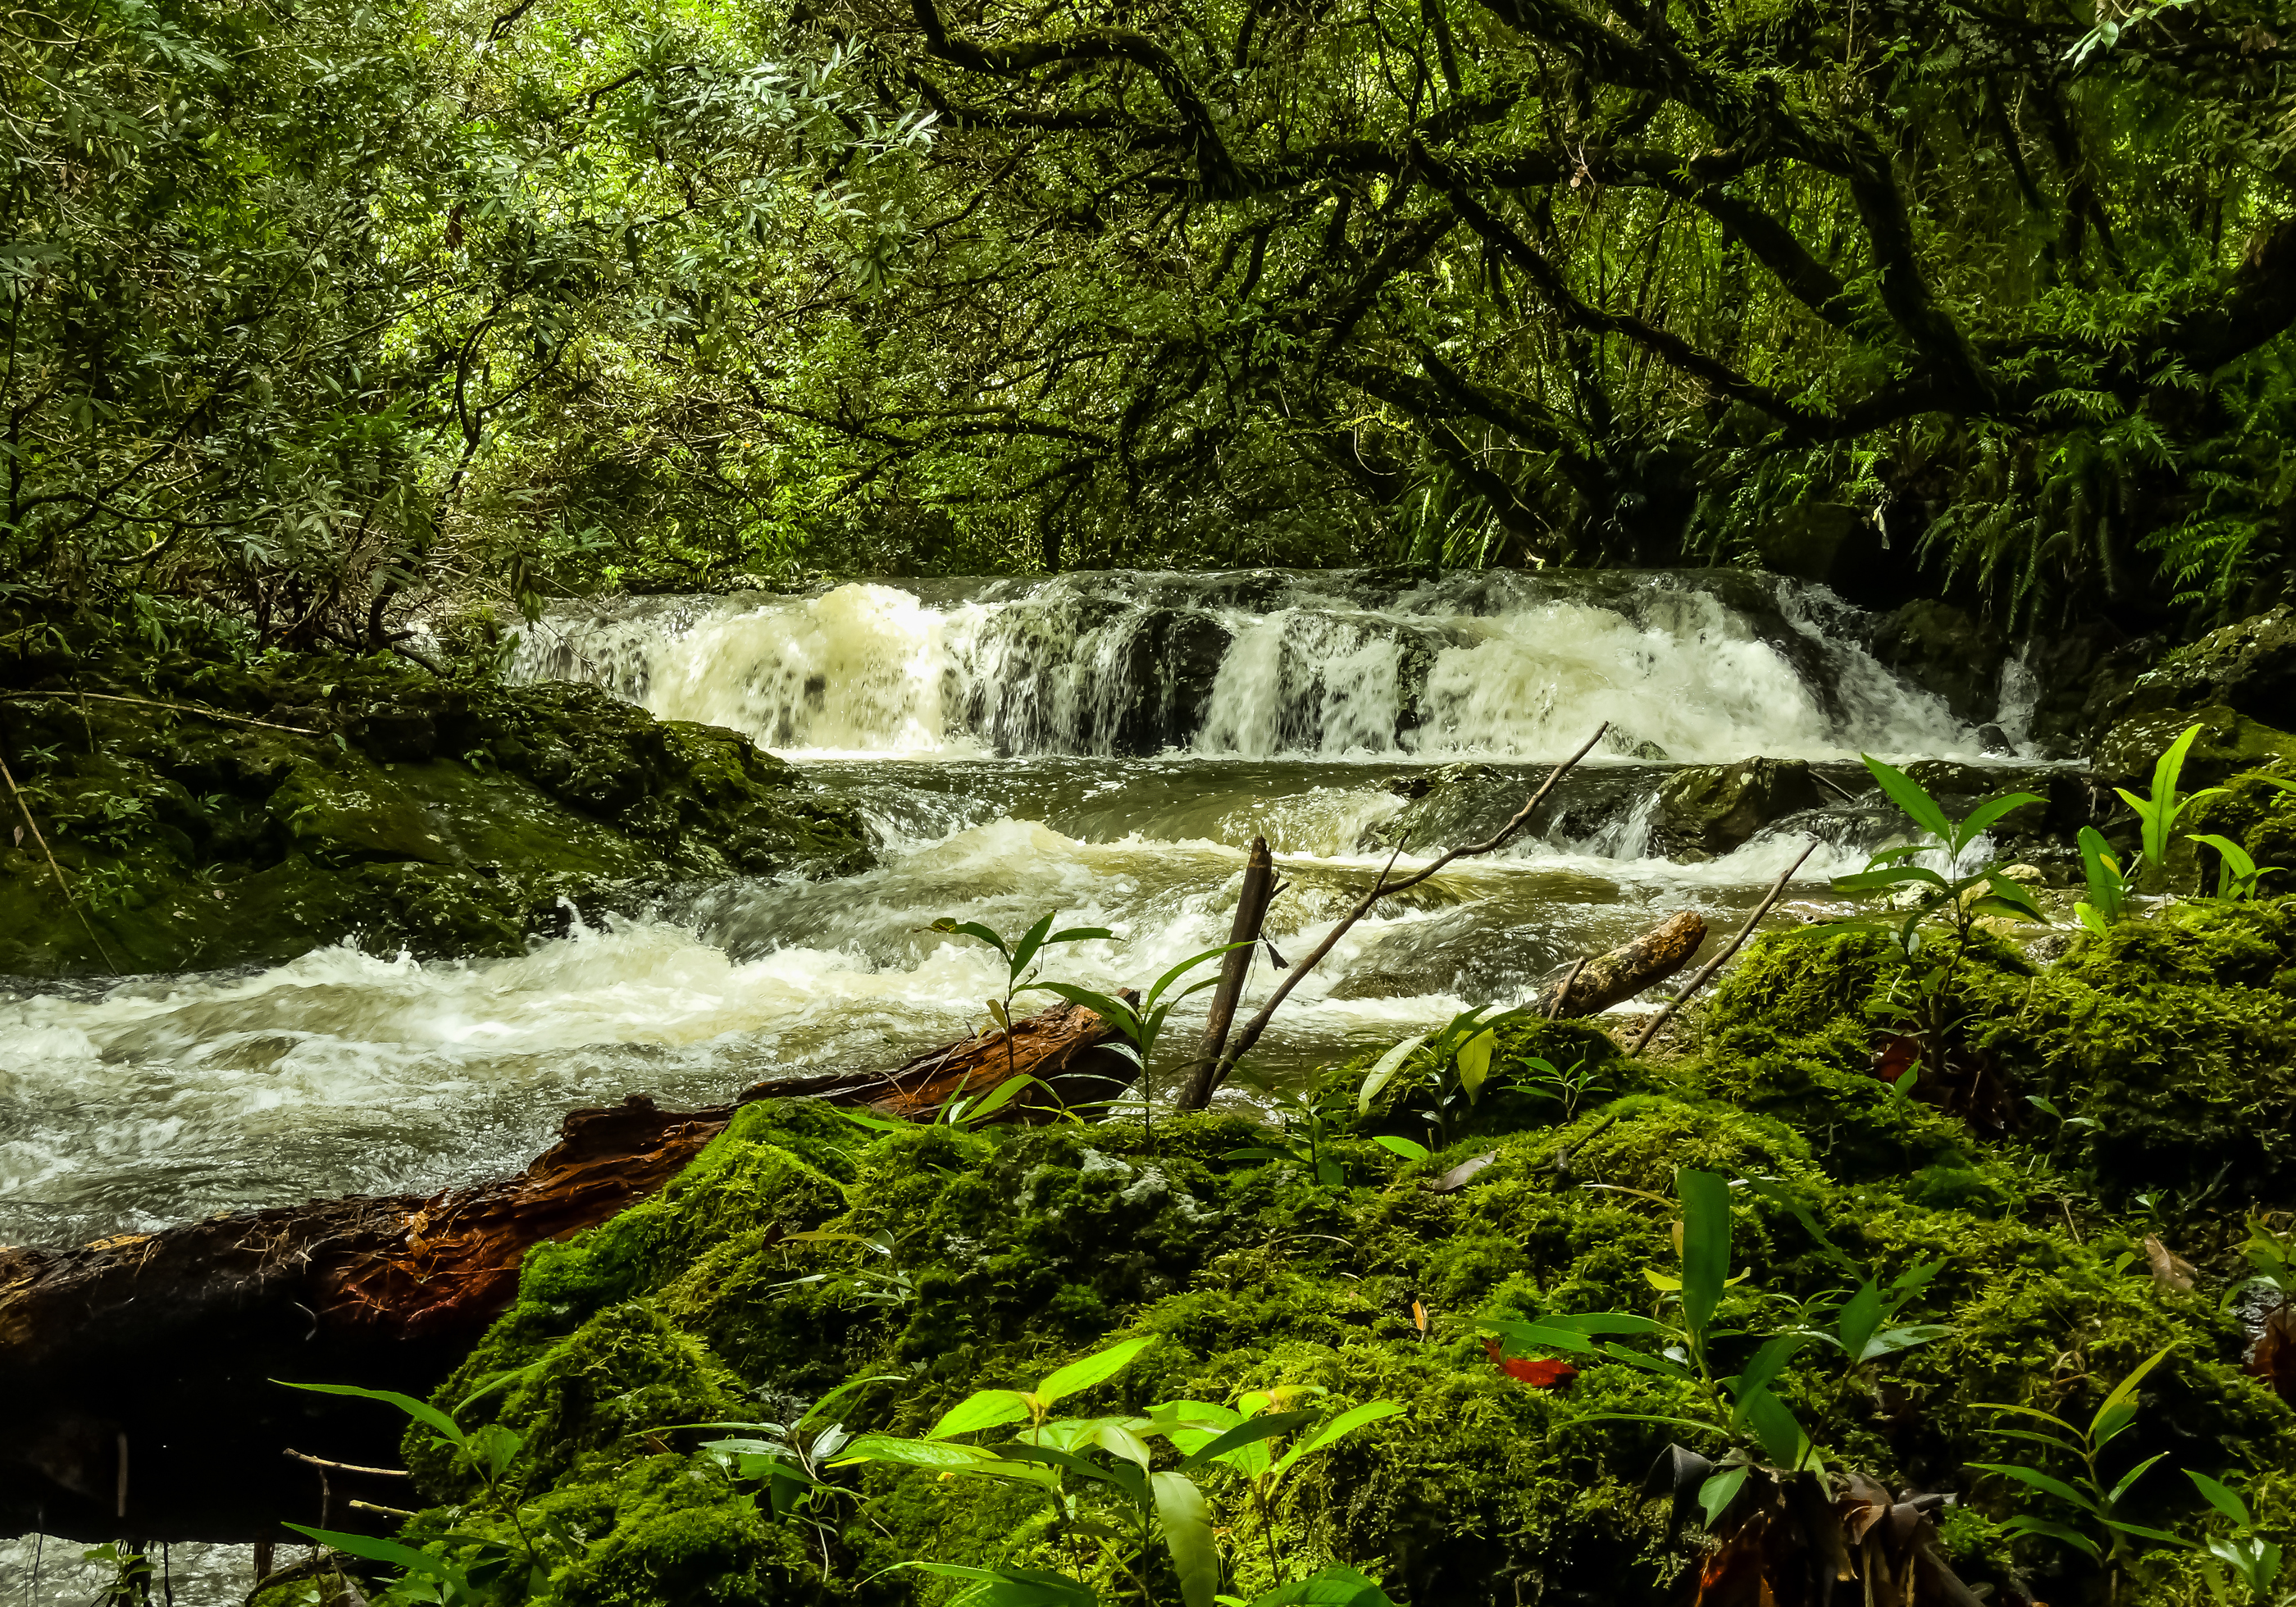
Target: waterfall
x,y
1692,665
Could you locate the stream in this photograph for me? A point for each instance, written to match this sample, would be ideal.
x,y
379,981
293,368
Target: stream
x,y
1105,746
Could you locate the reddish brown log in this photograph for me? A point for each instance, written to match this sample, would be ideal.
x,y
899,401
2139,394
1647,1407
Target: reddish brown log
x,y
137,1370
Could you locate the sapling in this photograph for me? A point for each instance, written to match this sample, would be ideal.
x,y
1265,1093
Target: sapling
x,y
1019,956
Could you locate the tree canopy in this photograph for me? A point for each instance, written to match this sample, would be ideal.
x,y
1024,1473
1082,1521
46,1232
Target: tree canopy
x,y
316,313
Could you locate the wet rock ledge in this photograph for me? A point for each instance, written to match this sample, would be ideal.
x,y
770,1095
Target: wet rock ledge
x,y
208,815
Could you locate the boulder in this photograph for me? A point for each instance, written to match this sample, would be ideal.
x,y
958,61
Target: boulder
x,y
2229,742
1707,810
2248,666
1807,541
1945,650
1456,805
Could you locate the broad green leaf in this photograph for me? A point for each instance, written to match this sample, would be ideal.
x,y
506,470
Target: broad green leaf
x,y
2222,1497
422,1411
2040,1481
1004,1094
1891,1340
1603,1321
1768,1362
1335,1587
1861,1315
910,1453
2119,1407
376,1549
2055,1531
1012,1587
1866,881
987,1409
1992,809
1188,965
1910,797
1188,1525
1474,1063
1078,934
1774,1428
1401,1146
1250,1431
1345,1423
1118,1016
1719,1490
2129,1479
1383,1069
1032,940
1705,1245
2162,1535
973,929
1096,1368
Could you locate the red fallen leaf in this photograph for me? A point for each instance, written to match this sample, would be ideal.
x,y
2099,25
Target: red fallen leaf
x,y
1538,1375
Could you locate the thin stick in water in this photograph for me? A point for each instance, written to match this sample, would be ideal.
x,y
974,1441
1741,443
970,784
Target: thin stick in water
x,y
1717,963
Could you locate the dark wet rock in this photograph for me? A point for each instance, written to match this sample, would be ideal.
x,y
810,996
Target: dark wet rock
x,y
1171,662
1456,805
1945,650
1808,541
2041,833
2229,742
1705,811
2248,666
2077,671
449,819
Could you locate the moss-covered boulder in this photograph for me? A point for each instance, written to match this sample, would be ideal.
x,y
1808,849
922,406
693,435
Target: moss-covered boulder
x,y
2229,742
2248,666
1705,811
207,815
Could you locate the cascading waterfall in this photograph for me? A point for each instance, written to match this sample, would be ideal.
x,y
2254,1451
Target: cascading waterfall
x,y
1694,668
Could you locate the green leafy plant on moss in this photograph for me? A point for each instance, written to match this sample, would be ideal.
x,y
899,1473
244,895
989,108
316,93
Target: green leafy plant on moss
x,y
1923,1002
1742,1406
1450,1075
2242,1557
789,1460
2087,1493
1100,1476
2110,887
2157,812
2237,873
1306,1121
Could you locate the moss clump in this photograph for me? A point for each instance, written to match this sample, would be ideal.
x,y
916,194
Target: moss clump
x,y
372,800
799,1253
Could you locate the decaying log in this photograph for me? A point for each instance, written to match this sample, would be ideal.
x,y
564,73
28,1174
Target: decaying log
x,y
136,1372
1594,985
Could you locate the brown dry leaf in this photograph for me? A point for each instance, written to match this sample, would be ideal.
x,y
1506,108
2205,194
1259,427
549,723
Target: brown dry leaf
x,y
2169,1269
2273,1359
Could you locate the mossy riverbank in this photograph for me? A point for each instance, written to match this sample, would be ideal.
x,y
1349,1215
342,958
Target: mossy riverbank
x,y
2077,1238
205,814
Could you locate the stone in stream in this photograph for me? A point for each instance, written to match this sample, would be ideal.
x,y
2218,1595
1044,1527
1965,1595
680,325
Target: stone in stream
x,y
2230,741
1705,811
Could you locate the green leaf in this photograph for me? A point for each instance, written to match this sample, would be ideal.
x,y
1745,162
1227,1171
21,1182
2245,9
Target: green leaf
x,y
1910,797
1866,881
1188,1525
1719,1490
2040,1481
1992,809
1338,1428
2073,1538
1768,1362
1891,1340
1096,1368
1118,1016
910,1453
422,1411
1004,1094
973,929
986,1409
1188,965
1473,1062
1383,1069
1032,940
1333,1587
2121,1407
2223,1497
2129,1478
376,1549
1773,1427
1401,1146
1705,1245
1251,1430
1861,1315
1012,1587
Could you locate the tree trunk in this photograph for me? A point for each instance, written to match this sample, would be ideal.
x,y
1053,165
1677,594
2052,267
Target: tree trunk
x,y
1250,910
1626,971
136,1370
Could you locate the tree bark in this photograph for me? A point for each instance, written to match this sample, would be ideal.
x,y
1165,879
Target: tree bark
x,y
137,1371
1251,911
1603,981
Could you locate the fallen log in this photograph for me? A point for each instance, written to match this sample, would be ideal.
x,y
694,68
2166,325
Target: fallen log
x,y
1594,985
136,1370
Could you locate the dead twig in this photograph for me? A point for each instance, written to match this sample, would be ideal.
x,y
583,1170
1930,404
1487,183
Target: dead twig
x,y
1383,889
199,708
346,1467
1707,970
1563,992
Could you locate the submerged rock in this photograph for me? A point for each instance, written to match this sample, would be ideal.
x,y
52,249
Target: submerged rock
x,y
447,819
1705,811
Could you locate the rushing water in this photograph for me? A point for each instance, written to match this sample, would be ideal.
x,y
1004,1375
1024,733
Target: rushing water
x,y
1106,746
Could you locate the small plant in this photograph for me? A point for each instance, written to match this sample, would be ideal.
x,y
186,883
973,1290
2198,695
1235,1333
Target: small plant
x,y
2158,810
1018,957
1453,1071
2090,1498
789,1461
2244,1556
1141,1028
1105,1492
1306,1134
2109,885
2237,874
